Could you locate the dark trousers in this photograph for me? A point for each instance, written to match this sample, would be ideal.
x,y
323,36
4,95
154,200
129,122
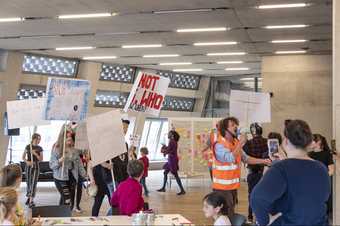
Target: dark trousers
x,y
64,191
231,201
32,176
98,200
178,180
143,182
252,179
76,189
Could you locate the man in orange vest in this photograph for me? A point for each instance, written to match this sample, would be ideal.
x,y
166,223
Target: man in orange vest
x,y
227,158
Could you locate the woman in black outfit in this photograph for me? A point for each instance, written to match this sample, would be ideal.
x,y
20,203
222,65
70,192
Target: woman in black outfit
x,y
322,153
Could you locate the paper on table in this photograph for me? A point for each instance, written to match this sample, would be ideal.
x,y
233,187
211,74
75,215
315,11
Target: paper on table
x,y
22,113
105,136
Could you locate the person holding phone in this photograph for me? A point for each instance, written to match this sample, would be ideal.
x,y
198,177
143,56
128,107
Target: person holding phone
x,y
295,189
256,147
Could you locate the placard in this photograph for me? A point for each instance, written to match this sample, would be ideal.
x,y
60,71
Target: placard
x,y
82,142
250,107
29,112
106,137
148,93
67,99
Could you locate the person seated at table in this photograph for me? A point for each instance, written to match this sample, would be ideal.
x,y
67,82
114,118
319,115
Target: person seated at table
x,y
8,202
128,196
215,206
10,176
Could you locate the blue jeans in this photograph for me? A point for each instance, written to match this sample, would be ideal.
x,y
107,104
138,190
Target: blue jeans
x,y
110,188
143,182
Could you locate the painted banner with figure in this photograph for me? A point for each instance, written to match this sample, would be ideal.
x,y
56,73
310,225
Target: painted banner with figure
x,y
148,93
106,137
29,112
250,107
67,99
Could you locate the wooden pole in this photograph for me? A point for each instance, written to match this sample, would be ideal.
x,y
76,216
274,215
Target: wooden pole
x,y
113,176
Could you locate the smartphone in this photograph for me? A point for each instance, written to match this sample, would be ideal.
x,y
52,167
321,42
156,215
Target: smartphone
x,y
273,146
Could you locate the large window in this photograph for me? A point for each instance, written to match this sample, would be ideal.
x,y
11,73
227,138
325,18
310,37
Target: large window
x,y
154,135
49,135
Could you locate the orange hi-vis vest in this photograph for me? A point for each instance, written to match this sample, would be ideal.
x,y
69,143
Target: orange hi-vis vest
x,y
226,176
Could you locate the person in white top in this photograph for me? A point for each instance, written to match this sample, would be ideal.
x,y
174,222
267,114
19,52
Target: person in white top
x,y
8,202
215,206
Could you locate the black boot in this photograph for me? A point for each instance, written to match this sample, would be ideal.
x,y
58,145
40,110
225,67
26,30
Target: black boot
x,y
164,183
179,182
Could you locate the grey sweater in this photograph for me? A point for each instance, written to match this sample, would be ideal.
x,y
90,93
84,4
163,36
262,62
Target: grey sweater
x,y
72,162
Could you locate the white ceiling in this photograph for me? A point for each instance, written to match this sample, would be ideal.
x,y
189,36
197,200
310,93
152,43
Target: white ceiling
x,y
136,24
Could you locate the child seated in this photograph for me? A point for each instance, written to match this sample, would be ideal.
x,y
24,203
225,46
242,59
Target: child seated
x,y
8,202
215,206
128,196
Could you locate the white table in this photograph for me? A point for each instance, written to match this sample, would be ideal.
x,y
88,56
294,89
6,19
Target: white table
x,y
161,219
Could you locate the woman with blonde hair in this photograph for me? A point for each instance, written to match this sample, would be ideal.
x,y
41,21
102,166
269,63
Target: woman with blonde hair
x,y
8,202
66,166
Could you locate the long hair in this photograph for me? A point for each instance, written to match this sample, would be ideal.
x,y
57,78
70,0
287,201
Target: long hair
x,y
324,144
35,136
175,135
9,175
59,145
8,200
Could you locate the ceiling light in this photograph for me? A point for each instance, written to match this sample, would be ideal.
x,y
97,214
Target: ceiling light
x,y
249,79
214,43
202,29
141,46
160,55
175,63
227,54
229,62
188,70
99,57
286,26
237,69
74,48
11,19
80,16
289,41
182,11
291,52
280,6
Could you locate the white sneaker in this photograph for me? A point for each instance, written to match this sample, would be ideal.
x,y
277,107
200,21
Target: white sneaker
x,y
77,210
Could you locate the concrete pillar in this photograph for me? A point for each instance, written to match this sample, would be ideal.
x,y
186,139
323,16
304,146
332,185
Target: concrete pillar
x,y
336,107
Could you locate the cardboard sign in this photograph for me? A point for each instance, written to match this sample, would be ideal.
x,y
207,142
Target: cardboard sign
x,y
250,107
82,142
148,93
67,99
106,137
29,112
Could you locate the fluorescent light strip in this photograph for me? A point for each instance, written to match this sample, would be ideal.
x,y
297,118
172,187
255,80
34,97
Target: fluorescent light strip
x,y
250,79
81,16
229,62
237,69
202,29
160,55
11,19
178,63
227,54
289,41
286,26
188,70
141,46
99,57
182,11
214,43
290,52
280,6
74,48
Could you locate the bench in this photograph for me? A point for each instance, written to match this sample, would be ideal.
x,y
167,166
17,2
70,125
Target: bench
x,y
45,175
